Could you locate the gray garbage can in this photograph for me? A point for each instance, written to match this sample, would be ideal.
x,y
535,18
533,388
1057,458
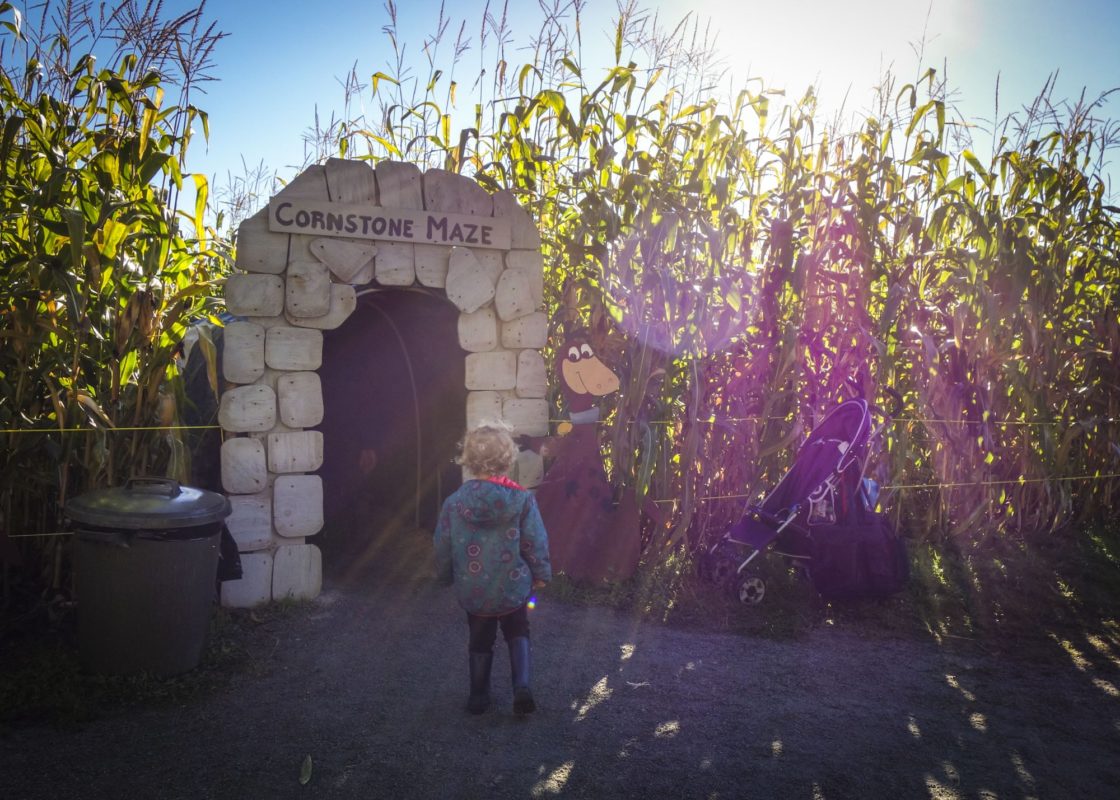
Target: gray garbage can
x,y
145,568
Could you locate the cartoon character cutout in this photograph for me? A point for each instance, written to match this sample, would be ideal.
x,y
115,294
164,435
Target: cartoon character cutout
x,y
583,376
594,532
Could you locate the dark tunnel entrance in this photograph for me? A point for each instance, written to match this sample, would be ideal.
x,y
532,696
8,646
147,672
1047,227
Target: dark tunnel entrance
x,y
394,401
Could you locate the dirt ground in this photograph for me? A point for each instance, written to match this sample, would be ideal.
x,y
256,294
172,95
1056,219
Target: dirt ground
x,y
368,683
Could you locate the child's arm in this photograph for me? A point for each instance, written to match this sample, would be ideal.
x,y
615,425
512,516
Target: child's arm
x,y
534,543
442,542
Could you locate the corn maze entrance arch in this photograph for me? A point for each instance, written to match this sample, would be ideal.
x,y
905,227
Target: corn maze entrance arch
x,y
389,375
342,248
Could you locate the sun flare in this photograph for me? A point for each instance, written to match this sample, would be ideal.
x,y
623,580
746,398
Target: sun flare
x,y
839,48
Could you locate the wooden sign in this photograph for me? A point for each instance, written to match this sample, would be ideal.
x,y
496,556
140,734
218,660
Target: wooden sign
x,y
319,218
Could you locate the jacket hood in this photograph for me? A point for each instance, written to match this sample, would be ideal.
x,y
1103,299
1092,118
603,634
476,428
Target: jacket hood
x,y
483,502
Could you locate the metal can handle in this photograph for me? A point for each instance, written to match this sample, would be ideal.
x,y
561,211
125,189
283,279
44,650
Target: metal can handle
x,y
114,538
154,485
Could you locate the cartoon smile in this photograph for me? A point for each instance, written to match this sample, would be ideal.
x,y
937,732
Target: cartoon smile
x,y
584,373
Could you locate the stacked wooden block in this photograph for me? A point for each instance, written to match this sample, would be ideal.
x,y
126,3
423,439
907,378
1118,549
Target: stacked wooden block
x,y
290,287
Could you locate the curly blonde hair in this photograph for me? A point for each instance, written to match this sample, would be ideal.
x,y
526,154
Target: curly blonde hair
x,y
488,449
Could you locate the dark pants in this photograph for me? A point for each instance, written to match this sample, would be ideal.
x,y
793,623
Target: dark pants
x,y
484,630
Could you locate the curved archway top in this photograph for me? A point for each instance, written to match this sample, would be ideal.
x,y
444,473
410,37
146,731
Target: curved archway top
x,y
338,230
435,294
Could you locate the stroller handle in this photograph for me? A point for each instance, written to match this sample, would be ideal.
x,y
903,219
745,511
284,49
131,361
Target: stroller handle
x,y
760,514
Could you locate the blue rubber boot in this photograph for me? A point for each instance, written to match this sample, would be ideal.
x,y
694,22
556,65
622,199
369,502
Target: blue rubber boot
x,y
479,699
520,665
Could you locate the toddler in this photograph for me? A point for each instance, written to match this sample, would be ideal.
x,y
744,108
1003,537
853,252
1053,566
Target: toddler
x,y
490,543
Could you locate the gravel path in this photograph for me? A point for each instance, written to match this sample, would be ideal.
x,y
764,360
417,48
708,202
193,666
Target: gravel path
x,y
370,682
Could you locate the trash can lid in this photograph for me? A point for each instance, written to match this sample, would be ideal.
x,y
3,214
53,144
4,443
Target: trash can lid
x,y
151,503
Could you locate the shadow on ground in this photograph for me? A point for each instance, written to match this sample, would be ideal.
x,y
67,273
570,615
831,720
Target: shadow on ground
x,y
362,691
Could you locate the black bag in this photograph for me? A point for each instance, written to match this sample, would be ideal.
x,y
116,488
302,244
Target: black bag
x,y
865,559
229,560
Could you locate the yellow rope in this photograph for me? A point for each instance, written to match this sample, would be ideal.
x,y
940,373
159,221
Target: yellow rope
x,y
557,421
893,419
113,430
1017,482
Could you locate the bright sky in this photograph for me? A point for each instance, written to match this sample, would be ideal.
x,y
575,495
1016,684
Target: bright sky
x,y
285,57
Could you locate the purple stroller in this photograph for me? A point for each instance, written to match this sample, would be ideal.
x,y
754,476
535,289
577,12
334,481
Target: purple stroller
x,y
820,519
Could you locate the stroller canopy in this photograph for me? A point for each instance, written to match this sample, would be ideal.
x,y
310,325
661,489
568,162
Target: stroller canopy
x,y
835,445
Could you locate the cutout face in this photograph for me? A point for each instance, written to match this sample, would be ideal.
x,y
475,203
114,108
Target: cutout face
x,y
581,370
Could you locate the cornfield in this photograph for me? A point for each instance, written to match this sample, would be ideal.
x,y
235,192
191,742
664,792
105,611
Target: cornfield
x,y
99,280
750,268
745,266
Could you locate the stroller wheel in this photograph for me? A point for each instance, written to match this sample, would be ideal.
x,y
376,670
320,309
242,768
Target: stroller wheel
x,y
722,570
750,589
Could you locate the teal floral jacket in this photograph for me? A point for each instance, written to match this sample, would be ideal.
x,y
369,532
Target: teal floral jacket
x,y
490,543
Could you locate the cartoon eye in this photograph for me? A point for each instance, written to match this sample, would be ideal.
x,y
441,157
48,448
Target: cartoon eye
x,y
573,353
586,351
